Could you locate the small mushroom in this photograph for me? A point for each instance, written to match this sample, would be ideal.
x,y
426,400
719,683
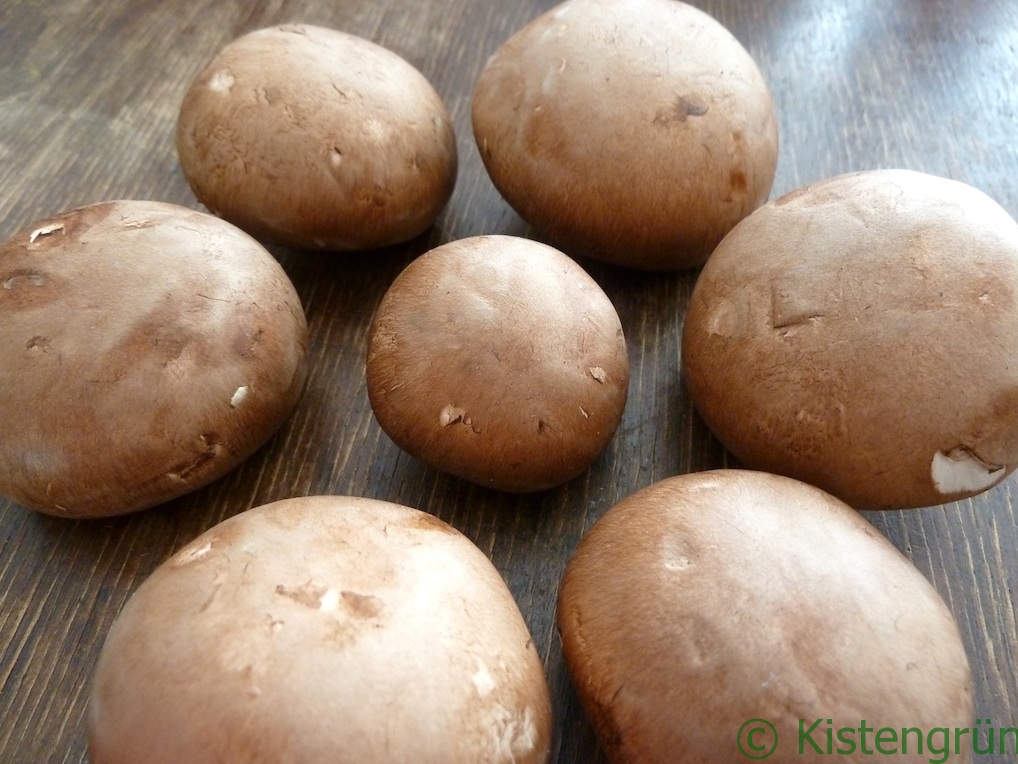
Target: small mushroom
x,y
500,360
145,350
638,133
319,630
318,139
730,615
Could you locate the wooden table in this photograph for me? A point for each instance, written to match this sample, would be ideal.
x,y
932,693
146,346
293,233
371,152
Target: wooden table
x,y
89,92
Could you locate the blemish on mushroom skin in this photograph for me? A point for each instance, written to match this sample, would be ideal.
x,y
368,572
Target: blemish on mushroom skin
x,y
451,414
274,625
307,594
193,554
335,159
737,180
791,310
32,289
247,342
70,225
362,605
327,600
513,732
211,597
482,680
38,343
376,196
679,111
430,522
137,224
23,277
221,81
343,95
211,446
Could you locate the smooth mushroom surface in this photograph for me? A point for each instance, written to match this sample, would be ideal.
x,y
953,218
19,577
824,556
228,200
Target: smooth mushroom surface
x,y
500,360
321,630
145,350
713,604
860,334
637,133
317,139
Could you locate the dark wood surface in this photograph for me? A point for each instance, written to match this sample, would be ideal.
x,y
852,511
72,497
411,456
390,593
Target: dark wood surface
x,y
89,91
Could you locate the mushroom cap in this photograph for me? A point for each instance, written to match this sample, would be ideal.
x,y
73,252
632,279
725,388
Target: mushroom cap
x,y
711,599
145,350
318,139
634,132
500,360
860,334
321,630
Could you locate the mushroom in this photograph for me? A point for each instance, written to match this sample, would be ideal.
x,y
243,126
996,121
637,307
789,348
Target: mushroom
x,y
860,334
320,630
638,133
145,350
732,614
500,360
317,139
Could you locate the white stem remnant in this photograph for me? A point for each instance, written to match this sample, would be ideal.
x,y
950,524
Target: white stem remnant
x,y
46,230
961,471
239,396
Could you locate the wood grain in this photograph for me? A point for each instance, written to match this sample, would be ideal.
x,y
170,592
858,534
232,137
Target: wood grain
x,y
89,91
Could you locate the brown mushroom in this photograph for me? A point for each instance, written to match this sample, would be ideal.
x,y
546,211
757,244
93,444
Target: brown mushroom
x,y
500,360
321,630
318,139
860,334
145,350
731,615
638,133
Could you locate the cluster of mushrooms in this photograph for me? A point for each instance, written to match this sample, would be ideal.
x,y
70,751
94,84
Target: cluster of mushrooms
x,y
849,343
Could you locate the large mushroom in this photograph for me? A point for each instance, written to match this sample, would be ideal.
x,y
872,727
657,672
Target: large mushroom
x,y
317,139
859,334
729,615
638,133
321,630
145,350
